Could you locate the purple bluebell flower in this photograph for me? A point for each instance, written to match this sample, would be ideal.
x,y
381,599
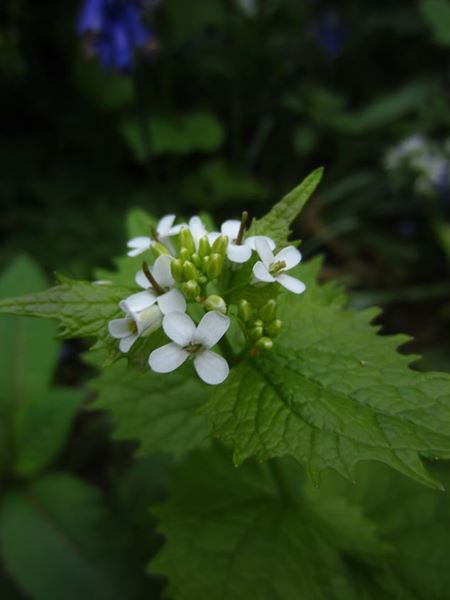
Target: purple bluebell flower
x,y
330,32
113,29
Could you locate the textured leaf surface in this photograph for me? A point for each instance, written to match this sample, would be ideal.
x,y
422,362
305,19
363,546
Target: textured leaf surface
x,y
34,418
159,412
276,224
49,541
333,393
254,533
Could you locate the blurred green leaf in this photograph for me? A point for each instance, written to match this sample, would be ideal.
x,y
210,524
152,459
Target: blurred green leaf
x,y
185,22
107,90
173,134
437,14
35,417
51,543
256,532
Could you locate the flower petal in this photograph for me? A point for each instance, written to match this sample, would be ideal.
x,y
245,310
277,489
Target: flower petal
x,y
238,254
172,301
263,249
211,328
231,229
142,280
126,343
197,228
137,251
138,302
179,327
211,367
291,283
251,241
261,273
164,225
212,237
120,328
140,242
161,271
290,255
167,358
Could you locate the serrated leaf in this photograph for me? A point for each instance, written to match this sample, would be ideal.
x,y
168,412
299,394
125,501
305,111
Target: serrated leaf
x,y
333,393
255,533
51,544
159,412
82,309
35,418
276,224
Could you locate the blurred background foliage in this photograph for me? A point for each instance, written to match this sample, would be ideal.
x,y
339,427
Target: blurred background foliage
x,y
240,101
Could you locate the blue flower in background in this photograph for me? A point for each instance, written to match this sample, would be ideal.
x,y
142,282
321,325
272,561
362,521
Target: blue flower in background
x,y
330,32
113,29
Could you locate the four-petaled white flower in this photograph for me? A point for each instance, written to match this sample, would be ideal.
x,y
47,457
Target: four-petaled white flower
x,y
164,230
272,268
238,253
191,341
135,324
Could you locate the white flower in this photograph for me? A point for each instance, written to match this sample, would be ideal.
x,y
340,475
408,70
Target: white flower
x,y
272,268
238,253
189,340
145,310
164,230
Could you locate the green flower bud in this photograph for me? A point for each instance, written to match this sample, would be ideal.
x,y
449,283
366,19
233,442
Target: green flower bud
x,y
215,303
264,343
191,289
274,328
176,268
187,240
195,258
184,254
215,265
158,249
269,311
203,280
245,310
189,270
256,333
258,323
205,262
220,245
204,248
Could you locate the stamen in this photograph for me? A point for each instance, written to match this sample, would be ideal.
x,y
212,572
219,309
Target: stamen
x,y
240,235
192,348
155,285
277,267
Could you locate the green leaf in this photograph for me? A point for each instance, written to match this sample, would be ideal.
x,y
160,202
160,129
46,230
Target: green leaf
x,y
333,393
35,419
437,15
159,412
256,533
174,134
277,221
51,544
83,309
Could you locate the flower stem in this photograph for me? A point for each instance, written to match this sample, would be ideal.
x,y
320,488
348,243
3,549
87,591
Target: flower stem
x,y
155,285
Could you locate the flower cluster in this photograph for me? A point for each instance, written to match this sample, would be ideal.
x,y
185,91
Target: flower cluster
x,y
425,163
190,276
113,29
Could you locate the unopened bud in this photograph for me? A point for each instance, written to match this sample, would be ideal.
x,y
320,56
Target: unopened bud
x,y
269,311
204,248
176,268
189,271
187,240
274,328
256,333
258,323
184,254
220,245
216,303
203,280
264,343
245,310
205,262
195,258
158,249
191,289
215,264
